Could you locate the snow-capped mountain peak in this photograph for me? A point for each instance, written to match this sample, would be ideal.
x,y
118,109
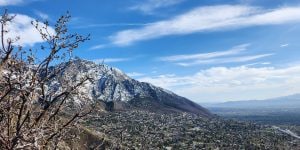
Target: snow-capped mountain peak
x,y
111,85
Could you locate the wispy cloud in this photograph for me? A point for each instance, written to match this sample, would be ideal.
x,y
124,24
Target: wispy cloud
x,y
110,60
248,82
135,74
103,25
83,23
150,5
209,18
15,2
258,63
100,46
284,45
224,60
10,2
219,57
235,50
42,15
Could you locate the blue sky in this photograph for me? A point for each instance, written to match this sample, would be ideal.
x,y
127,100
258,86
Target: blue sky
x,y
208,50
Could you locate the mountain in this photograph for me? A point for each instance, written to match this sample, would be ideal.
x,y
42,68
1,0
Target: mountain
x,y
291,101
116,91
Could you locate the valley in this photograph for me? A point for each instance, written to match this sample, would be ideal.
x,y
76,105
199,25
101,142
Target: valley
x,y
139,129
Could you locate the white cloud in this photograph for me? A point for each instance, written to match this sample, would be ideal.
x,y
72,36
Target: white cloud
x,y
21,27
100,46
110,60
149,6
232,83
15,2
258,63
135,74
210,18
102,25
284,45
224,60
42,15
235,50
10,2
219,57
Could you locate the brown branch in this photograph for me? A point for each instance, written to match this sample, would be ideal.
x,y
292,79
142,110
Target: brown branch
x,y
59,130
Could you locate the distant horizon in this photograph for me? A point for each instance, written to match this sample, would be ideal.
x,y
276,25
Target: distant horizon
x,y
245,100
249,50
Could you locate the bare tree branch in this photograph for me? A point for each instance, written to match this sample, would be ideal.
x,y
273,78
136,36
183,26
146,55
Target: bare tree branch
x,y
32,115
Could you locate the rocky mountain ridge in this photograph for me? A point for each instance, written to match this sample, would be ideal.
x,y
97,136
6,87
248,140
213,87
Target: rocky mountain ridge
x,y
118,91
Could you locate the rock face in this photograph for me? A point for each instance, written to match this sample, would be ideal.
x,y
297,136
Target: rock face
x,y
118,91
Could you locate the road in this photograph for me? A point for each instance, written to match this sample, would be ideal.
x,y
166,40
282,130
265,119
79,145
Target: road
x,y
289,132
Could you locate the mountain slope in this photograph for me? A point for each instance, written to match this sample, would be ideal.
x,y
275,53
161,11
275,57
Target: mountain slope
x,y
118,91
